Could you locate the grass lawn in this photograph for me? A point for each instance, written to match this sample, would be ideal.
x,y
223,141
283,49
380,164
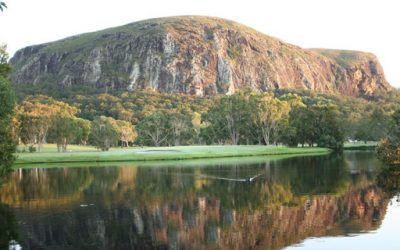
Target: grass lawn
x,y
46,148
199,162
360,145
160,153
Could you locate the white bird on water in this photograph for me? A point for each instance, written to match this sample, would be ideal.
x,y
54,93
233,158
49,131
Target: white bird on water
x,y
13,245
251,179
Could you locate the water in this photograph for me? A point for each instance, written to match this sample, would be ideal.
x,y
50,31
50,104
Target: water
x,y
320,202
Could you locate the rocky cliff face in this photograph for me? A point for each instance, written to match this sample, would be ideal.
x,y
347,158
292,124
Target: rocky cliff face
x,y
194,55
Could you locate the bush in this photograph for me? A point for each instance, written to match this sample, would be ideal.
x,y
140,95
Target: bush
x,y
388,152
31,149
209,33
327,141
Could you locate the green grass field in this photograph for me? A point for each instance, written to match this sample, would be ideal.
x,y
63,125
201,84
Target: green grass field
x,y
199,162
87,154
52,148
360,145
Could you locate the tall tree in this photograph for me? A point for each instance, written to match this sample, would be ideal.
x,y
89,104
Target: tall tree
x,y
7,104
302,121
63,127
104,134
36,115
270,116
230,118
154,129
126,132
82,131
317,124
182,128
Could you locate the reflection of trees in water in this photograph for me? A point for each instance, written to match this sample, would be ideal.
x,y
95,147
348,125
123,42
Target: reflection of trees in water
x,y
388,179
8,226
45,187
167,207
198,222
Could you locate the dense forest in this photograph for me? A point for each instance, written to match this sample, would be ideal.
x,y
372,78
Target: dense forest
x,y
147,117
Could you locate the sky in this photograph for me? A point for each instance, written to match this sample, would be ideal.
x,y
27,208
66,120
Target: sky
x,y
365,25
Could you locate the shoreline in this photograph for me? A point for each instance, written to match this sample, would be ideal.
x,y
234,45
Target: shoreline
x,y
162,154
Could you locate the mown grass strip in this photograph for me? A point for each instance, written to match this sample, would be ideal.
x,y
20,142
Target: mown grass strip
x,y
163,153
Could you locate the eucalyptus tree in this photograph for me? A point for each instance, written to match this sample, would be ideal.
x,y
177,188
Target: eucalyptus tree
x,y
126,132
270,117
229,119
182,129
154,129
104,134
63,127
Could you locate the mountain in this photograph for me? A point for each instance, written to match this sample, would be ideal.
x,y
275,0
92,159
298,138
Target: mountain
x,y
195,55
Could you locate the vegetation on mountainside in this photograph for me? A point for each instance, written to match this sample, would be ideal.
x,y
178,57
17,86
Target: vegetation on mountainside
x,y
188,54
346,58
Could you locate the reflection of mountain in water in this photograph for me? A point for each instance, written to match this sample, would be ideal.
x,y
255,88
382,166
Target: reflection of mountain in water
x,y
134,207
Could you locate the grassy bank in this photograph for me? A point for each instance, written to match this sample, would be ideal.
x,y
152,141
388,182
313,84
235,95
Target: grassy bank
x,y
200,162
162,153
52,148
370,145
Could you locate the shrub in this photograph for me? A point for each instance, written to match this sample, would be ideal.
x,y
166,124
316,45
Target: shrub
x,y
31,149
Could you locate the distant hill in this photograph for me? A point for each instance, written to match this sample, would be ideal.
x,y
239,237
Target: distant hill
x,y
191,54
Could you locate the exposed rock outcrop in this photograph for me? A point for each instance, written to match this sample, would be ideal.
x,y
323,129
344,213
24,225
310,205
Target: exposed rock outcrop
x,y
194,55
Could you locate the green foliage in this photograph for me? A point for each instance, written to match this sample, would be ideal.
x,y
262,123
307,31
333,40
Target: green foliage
x,y
234,51
7,103
82,131
283,116
154,129
229,119
182,129
35,115
209,33
126,132
388,149
2,6
165,128
7,100
104,135
317,124
329,141
31,149
270,117
7,148
388,179
63,125
5,68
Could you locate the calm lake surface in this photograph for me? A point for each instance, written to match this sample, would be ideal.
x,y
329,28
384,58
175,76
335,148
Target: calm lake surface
x,y
319,202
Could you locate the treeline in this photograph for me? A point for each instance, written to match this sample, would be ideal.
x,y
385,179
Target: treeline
x,y
389,147
160,119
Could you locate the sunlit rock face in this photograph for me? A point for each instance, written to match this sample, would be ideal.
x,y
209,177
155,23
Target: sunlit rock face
x,y
194,55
